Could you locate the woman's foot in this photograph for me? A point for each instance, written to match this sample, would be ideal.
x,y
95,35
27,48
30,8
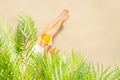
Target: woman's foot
x,y
64,12
64,15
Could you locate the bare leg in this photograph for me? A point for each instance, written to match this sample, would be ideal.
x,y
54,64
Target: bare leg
x,y
53,31
54,27
52,24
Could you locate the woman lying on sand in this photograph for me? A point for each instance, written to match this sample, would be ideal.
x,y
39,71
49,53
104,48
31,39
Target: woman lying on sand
x,y
44,43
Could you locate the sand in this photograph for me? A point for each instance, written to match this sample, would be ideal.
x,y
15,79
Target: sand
x,y
92,29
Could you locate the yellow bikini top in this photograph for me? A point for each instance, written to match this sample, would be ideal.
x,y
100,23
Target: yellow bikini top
x,y
45,38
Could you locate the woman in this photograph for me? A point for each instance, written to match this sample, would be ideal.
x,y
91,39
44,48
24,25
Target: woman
x,y
44,42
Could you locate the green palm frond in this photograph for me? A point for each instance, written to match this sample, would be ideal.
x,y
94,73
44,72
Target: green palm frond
x,y
25,37
26,34
116,75
19,62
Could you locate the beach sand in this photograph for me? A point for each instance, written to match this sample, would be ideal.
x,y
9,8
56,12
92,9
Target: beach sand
x,y
93,27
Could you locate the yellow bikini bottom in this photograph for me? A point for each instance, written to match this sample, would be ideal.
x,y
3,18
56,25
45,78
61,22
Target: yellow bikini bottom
x,y
46,38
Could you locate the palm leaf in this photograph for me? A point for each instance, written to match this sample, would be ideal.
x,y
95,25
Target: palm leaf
x,y
19,62
25,34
